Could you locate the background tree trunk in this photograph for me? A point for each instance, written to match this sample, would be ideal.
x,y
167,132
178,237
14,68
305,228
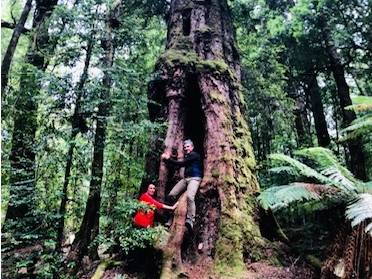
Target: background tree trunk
x,y
22,157
199,85
357,161
89,227
78,123
312,90
8,56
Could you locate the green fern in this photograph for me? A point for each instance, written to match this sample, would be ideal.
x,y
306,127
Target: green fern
x,y
340,181
324,159
282,196
360,126
361,210
298,167
285,170
336,184
361,103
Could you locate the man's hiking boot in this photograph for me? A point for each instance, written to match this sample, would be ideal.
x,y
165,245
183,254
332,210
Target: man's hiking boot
x,y
189,225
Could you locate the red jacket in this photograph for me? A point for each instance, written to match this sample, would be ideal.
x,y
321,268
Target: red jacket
x,y
143,218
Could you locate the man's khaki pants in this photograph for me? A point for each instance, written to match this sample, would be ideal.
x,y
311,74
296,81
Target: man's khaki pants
x,y
192,184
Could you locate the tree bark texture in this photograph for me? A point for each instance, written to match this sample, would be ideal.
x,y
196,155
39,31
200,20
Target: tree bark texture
x,y
350,256
8,56
22,157
357,160
75,129
313,91
198,86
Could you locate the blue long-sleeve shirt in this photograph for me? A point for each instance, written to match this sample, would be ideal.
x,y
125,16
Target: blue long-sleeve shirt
x,y
192,164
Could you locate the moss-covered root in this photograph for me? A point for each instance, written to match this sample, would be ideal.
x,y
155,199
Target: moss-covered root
x,y
101,268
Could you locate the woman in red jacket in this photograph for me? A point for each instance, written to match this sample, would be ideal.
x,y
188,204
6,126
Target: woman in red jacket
x,y
145,219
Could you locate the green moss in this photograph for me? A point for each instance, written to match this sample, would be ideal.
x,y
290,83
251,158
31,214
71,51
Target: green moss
x,y
204,30
182,43
215,173
229,179
187,58
217,97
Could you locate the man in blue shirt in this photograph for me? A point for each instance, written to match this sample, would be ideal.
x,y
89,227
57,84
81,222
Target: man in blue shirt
x,y
191,181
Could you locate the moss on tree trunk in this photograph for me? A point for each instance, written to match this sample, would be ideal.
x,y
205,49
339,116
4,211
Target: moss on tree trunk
x,y
198,88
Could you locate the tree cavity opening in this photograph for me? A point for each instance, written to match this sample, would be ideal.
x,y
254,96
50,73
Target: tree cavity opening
x,y
186,22
194,126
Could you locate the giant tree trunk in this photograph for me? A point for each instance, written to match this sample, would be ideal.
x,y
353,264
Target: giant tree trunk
x,y
89,227
313,91
22,157
8,56
77,124
198,86
357,161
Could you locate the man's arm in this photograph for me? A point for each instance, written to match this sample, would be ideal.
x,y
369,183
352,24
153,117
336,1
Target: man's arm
x,y
182,163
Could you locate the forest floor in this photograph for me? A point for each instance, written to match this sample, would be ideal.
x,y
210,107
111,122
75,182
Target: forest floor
x,y
292,268
258,270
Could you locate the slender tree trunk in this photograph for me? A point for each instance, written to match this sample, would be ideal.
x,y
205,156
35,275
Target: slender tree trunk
x,y
313,91
22,157
357,160
89,227
76,125
8,56
301,120
199,87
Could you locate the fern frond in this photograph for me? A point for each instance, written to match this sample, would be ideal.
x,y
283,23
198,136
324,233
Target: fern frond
x,y
299,167
359,127
360,103
282,196
284,169
364,122
340,180
324,159
360,107
361,210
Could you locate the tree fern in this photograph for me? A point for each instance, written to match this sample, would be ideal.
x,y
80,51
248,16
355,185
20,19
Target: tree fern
x,y
335,183
282,196
325,159
361,210
298,167
360,126
339,180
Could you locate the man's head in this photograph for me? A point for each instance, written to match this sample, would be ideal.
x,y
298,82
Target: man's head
x,y
188,146
151,189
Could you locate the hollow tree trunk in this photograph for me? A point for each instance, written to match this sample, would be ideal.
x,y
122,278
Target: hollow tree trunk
x,y
89,227
22,157
198,86
313,91
8,56
75,129
357,160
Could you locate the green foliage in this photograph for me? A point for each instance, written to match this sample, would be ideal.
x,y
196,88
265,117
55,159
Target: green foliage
x,y
118,228
277,197
337,185
362,126
360,211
